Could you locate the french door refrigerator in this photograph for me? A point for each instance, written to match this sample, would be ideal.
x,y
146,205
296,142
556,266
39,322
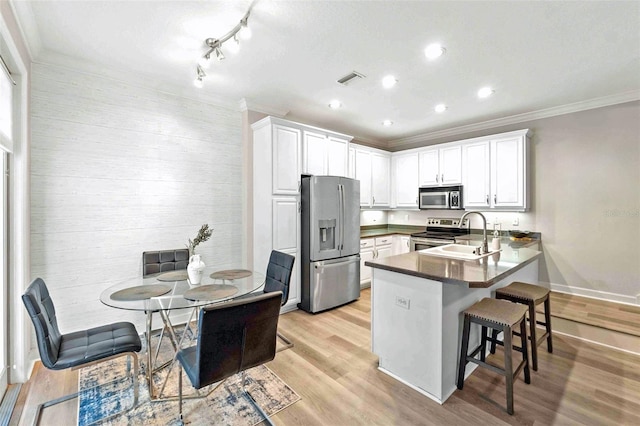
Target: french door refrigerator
x,y
330,242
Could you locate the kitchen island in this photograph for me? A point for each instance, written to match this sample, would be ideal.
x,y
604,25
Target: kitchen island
x,y
416,305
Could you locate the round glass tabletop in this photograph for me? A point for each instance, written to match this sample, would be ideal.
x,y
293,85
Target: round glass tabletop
x,y
141,298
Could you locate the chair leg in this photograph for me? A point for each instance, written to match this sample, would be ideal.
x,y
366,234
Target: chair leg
x,y
525,352
494,339
547,320
288,343
180,391
464,347
483,343
508,367
266,417
533,336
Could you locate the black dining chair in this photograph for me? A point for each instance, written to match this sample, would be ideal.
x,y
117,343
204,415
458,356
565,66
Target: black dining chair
x,y
80,348
232,337
278,278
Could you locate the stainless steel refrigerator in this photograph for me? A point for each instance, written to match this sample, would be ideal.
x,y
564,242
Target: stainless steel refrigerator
x,y
330,242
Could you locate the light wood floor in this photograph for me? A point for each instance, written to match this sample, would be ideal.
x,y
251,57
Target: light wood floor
x,y
336,375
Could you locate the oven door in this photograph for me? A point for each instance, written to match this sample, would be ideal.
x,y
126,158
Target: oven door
x,y
434,200
418,243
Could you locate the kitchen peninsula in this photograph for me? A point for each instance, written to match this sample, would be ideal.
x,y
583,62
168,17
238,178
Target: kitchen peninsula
x,y
416,305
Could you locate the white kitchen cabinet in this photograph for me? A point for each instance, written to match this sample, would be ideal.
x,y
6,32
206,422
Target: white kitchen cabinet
x,y
372,167
405,180
278,147
401,244
384,247
324,154
441,166
366,253
286,153
495,172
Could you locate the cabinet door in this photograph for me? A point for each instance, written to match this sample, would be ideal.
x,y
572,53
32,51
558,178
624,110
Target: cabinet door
x,y
352,164
406,180
429,167
337,157
380,177
384,251
507,173
363,174
286,224
365,271
314,150
476,177
450,165
286,160
405,245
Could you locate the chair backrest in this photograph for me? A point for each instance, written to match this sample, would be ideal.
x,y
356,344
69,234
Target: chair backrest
x,y
235,336
43,314
279,274
164,260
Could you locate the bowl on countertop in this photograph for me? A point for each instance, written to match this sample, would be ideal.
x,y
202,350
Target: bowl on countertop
x,y
519,234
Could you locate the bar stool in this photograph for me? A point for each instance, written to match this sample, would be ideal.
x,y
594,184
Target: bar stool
x,y
500,315
530,295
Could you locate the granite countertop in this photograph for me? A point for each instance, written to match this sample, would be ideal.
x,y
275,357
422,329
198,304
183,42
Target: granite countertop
x,y
479,273
382,230
476,239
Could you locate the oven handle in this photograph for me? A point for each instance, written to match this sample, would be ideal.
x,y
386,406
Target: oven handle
x,y
432,242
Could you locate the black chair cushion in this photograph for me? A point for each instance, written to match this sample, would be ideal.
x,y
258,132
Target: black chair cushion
x,y
279,274
154,262
97,343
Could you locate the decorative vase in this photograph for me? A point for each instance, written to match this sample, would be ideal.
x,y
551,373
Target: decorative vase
x,y
195,269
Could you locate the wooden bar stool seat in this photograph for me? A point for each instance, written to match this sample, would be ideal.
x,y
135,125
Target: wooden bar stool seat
x,y
530,295
501,316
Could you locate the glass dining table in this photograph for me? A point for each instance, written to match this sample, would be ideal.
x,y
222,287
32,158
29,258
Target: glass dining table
x,y
171,291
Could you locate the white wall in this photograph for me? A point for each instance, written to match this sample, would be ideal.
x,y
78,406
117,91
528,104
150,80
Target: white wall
x,y
586,200
117,170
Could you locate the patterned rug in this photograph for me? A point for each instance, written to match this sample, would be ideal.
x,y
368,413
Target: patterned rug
x,y
227,405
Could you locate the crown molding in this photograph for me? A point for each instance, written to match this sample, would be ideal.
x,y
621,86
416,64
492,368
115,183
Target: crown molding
x,y
248,105
604,101
26,21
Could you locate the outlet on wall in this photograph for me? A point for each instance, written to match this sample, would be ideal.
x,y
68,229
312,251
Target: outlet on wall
x,y
403,302
516,221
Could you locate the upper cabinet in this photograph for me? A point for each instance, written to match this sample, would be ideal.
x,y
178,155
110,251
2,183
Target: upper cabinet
x,y
495,172
441,166
286,143
405,180
372,167
325,153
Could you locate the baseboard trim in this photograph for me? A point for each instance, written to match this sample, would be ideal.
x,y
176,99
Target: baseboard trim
x,y
594,294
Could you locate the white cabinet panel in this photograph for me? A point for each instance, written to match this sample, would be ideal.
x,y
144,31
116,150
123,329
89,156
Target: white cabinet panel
x,y
286,160
429,168
286,224
405,180
450,165
476,175
363,174
507,174
380,184
337,157
314,154
401,244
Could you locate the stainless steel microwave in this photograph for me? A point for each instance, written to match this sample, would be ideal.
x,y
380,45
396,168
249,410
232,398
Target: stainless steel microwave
x,y
440,197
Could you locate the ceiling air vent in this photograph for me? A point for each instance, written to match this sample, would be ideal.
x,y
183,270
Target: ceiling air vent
x,y
349,78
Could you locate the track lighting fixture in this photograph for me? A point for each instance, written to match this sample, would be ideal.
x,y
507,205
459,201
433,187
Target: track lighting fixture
x,y
214,46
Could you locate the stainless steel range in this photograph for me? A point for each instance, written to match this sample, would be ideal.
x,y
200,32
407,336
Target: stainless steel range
x,y
439,232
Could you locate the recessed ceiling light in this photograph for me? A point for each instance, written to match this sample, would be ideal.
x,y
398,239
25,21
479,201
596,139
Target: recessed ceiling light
x,y
434,51
335,104
440,108
387,123
485,92
389,81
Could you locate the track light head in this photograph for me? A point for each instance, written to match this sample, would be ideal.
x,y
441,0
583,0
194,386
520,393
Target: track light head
x,y
245,31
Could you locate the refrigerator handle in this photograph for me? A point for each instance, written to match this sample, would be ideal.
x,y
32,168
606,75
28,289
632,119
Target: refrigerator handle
x,y
342,214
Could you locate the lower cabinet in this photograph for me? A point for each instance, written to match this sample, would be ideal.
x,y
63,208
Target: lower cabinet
x,y
371,249
401,244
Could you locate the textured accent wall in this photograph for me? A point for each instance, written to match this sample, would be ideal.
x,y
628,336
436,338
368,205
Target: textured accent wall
x,y
117,170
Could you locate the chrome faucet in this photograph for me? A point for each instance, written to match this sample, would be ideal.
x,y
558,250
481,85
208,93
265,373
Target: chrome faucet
x,y
485,244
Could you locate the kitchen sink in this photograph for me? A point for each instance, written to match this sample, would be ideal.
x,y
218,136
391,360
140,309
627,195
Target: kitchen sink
x,y
457,251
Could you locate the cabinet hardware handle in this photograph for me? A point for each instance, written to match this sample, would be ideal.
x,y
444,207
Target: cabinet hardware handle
x,y
407,242
442,178
416,200
374,200
437,178
495,199
487,199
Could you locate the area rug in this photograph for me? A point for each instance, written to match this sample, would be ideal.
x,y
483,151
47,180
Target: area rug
x,y
104,391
